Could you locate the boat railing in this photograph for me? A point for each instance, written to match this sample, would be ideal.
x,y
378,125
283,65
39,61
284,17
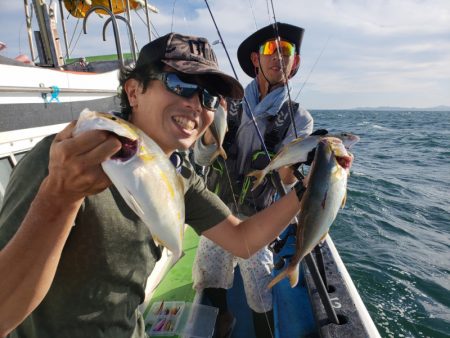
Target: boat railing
x,y
130,32
115,28
53,89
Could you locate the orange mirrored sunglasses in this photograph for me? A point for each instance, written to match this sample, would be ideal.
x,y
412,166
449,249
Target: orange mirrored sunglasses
x,y
269,47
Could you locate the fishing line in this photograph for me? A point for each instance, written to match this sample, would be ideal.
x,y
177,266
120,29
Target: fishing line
x,y
282,64
73,34
76,42
235,75
173,12
268,10
253,14
154,32
314,66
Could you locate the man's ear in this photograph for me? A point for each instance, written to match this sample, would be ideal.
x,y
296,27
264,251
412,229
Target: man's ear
x,y
132,88
295,65
254,57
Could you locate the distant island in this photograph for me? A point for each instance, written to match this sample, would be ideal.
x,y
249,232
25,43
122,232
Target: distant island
x,y
382,108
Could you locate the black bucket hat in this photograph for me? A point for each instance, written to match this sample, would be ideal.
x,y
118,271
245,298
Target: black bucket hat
x,y
287,32
190,55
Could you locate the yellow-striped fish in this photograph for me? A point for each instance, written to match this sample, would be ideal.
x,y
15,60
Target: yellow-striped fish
x,y
324,196
144,177
297,152
218,129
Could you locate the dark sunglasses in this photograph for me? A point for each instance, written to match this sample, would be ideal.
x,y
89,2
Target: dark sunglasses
x,y
185,89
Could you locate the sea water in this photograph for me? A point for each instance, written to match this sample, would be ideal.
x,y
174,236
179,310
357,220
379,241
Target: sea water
x,y
394,232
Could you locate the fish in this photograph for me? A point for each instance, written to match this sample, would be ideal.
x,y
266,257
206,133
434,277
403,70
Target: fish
x,y
218,129
144,177
297,152
325,195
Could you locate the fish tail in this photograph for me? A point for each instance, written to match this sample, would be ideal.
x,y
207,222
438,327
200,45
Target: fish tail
x,y
293,275
291,272
217,153
259,175
277,278
223,153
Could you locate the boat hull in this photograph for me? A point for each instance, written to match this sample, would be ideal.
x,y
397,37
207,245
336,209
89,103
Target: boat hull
x,y
34,96
21,116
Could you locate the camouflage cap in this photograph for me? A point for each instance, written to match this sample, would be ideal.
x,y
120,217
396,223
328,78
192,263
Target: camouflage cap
x,y
190,55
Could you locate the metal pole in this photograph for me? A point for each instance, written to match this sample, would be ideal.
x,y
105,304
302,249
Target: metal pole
x,y
148,21
132,45
63,22
115,28
323,292
131,32
30,33
321,264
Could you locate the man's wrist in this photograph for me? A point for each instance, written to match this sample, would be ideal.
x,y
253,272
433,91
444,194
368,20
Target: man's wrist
x,y
299,190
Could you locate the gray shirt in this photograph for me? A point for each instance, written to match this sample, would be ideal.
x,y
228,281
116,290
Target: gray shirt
x,y
109,254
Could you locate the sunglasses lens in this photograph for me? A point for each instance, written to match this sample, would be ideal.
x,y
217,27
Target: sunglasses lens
x,y
209,101
175,85
186,89
270,47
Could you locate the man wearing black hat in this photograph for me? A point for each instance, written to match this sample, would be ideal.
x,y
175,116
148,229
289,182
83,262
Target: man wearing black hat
x,y
74,257
271,56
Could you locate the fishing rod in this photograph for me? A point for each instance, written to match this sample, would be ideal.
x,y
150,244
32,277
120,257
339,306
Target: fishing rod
x,y
291,112
276,176
261,139
323,292
319,279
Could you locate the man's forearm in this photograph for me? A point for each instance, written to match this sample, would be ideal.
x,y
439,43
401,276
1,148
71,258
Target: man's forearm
x,y
263,227
28,262
244,238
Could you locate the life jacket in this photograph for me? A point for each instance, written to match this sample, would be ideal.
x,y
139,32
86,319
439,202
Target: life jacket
x,y
233,187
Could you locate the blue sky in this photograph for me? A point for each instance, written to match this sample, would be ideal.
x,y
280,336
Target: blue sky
x,y
354,53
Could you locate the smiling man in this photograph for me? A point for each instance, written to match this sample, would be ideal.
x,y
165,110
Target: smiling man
x,y
74,257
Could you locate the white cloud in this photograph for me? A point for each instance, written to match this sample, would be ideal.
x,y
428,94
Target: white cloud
x,y
395,51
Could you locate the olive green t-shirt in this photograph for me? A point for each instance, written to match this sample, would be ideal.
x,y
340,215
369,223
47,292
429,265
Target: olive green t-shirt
x,y
100,280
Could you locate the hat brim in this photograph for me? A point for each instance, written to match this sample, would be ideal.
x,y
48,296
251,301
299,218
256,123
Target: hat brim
x,y
218,81
287,32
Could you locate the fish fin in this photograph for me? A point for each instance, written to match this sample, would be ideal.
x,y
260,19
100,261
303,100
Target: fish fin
x,y
180,182
177,254
223,153
344,200
297,140
157,240
217,153
134,204
277,279
323,237
259,175
293,275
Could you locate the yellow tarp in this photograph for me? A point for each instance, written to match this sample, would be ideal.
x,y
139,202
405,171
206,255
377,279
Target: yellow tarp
x,y
78,8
